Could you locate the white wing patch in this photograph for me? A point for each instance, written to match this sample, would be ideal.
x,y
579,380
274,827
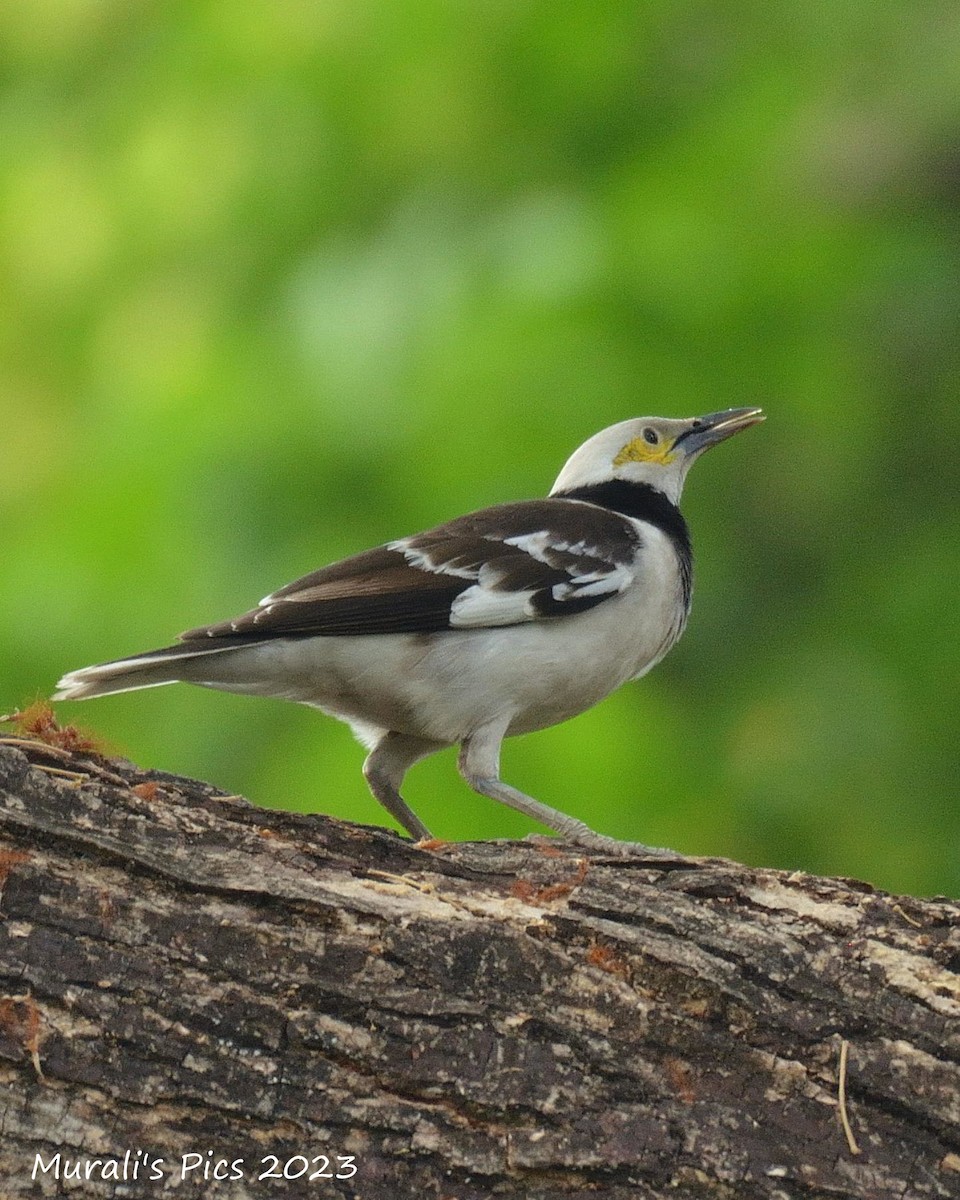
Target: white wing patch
x,y
599,583
479,606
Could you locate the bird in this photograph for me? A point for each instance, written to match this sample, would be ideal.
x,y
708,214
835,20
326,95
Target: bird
x,y
504,621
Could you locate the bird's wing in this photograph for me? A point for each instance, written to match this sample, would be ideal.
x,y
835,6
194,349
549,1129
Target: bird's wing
x,y
513,563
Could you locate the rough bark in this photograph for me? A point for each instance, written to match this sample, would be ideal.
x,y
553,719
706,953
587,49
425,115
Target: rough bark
x,y
182,973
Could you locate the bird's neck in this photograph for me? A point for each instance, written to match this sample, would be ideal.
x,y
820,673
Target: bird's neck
x,y
638,500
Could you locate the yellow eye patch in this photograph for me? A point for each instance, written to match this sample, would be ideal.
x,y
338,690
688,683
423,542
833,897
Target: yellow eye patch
x,y
640,450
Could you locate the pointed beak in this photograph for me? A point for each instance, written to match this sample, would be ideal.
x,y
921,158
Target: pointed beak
x,y
705,432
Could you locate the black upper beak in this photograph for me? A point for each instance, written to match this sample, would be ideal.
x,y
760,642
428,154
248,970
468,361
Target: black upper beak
x,y
707,431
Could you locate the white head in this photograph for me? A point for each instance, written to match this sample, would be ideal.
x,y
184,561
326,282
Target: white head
x,y
652,450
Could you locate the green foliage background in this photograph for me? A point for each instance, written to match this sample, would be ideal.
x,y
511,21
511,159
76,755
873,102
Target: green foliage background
x,y
282,279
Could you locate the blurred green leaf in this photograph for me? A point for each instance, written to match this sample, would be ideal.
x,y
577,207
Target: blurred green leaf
x,y
283,281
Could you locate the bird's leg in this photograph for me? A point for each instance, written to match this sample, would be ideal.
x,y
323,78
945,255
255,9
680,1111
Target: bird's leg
x,y
479,764
384,769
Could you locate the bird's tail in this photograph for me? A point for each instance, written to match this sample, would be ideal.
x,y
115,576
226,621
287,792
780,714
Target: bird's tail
x,y
171,664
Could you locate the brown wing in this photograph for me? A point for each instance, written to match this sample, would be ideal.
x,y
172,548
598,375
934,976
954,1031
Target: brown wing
x,y
500,566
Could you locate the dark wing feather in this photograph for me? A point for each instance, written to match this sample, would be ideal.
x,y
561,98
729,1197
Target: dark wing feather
x,y
373,592
500,566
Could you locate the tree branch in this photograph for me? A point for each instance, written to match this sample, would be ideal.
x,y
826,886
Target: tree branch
x,y
184,974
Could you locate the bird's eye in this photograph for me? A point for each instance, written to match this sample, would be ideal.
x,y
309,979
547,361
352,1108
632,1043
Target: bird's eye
x,y
650,436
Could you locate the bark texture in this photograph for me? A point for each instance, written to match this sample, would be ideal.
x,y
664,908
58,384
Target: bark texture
x,y
184,974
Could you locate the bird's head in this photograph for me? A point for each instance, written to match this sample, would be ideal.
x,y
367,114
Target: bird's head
x,y
652,450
